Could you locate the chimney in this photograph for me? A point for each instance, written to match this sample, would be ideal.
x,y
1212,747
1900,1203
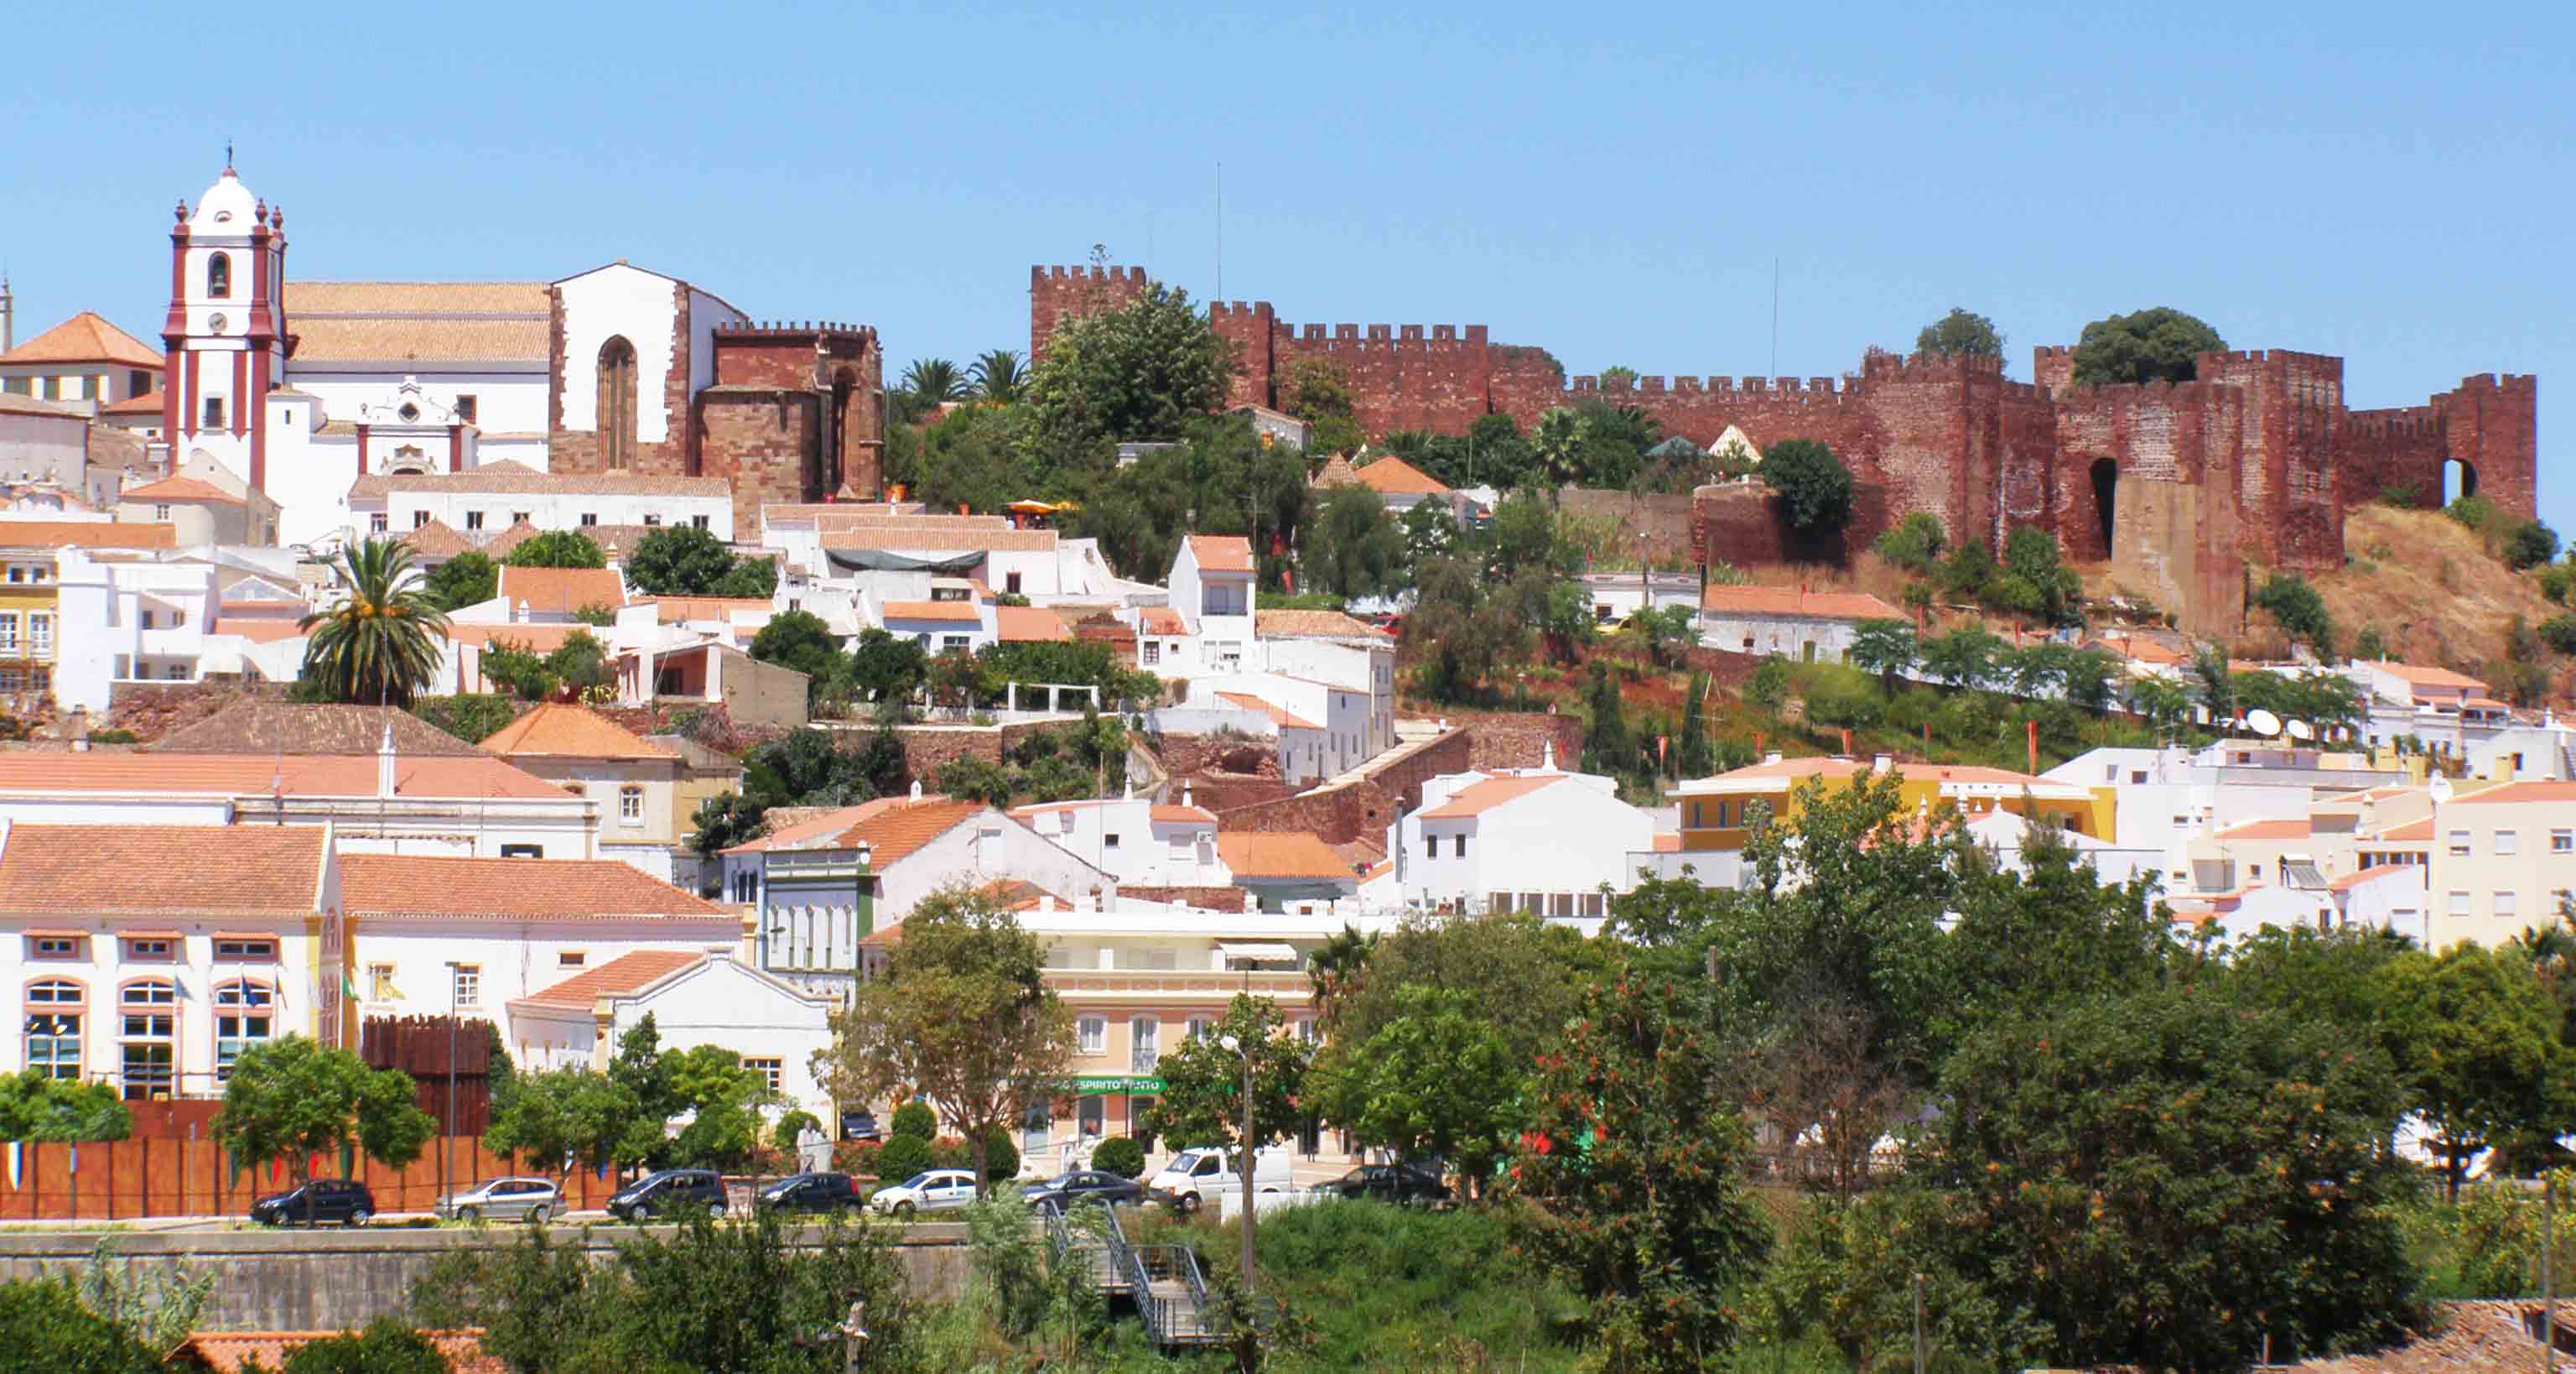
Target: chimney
x,y
385,762
916,789
1547,756
1186,793
78,727
1772,757
1878,762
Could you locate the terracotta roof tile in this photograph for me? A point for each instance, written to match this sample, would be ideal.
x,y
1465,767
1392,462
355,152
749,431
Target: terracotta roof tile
x,y
11,403
1391,476
437,886
544,639
147,403
561,730
2292,828
671,610
1182,815
1279,715
1313,625
265,727
1476,799
1795,601
2350,881
1279,854
1336,472
257,629
961,611
87,338
2514,792
1162,620
1667,842
177,489
625,974
1029,625
2415,676
254,775
86,534
2408,833
345,321
561,591
437,541
162,870
893,827
228,1352
1222,552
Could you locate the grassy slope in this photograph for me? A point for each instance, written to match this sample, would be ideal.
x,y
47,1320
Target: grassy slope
x,y
2429,586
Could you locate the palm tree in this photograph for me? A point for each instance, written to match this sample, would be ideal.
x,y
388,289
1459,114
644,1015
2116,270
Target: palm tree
x,y
1000,375
933,380
380,644
1558,444
1339,966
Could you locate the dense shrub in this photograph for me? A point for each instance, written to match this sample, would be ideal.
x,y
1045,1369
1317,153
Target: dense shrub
x,y
790,1127
903,1156
914,1119
43,1326
2530,545
1915,543
385,1347
857,1157
2298,609
2560,632
2472,511
1119,1155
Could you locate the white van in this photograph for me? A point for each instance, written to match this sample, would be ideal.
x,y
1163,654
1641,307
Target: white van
x,y
1204,1173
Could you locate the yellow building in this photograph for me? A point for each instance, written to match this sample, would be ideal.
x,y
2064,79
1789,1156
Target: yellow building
x,y
1716,812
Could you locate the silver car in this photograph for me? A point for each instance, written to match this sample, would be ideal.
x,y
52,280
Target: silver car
x,y
504,1199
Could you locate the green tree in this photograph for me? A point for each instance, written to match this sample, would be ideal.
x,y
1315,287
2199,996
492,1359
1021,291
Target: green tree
x,y
1608,746
1429,532
1317,392
292,1099
2035,670
1202,1101
1351,547
1915,544
800,640
1462,629
962,1016
1437,1082
978,457
387,1346
467,579
723,821
1139,372
723,1101
1815,488
2475,1037
1961,332
1564,619
45,1329
2035,581
1338,969
1000,375
2024,942
572,1118
1557,447
1695,757
2298,609
887,667
558,549
2070,1177
678,560
1964,657
2162,701
933,381
581,664
2370,647
2213,683
1884,647
380,644
2089,675
1639,1172
35,1105
470,716
1524,975
1769,686
2558,632
2530,545
2158,345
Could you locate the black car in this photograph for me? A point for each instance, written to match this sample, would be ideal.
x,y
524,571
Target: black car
x,y
666,1191
1389,1183
323,1199
859,1126
810,1193
1086,1185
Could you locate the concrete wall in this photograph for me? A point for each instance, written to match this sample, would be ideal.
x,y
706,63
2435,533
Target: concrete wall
x,y
330,1279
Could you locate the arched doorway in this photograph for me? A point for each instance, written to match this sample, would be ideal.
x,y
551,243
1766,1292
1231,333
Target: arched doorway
x,y
2106,491
2459,479
617,402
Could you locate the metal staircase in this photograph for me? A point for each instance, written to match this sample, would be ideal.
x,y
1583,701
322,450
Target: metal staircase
x,y
1164,1281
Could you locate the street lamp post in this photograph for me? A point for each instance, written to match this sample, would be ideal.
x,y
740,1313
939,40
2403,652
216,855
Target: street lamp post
x,y
1244,1142
447,1127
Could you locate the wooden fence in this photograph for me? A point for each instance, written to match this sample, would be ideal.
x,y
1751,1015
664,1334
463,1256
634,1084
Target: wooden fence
x,y
144,1177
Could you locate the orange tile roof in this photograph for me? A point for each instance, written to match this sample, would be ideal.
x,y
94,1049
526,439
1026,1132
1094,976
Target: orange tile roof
x,y
1029,625
670,610
86,338
2513,792
162,870
86,534
1222,552
256,628
438,886
2141,648
1796,601
227,1352
1281,854
2414,676
1393,476
2411,831
254,775
893,827
1162,620
627,973
384,321
1475,799
1313,625
178,489
899,533
1667,843
1181,815
1336,472
1279,715
267,727
960,611
544,639
437,539
147,403
561,591
2350,881
560,730
2277,829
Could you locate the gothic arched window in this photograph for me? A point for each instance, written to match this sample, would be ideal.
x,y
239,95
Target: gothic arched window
x,y
617,402
219,275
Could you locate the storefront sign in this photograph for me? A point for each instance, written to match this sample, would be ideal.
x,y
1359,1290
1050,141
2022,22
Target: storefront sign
x,y
1086,1084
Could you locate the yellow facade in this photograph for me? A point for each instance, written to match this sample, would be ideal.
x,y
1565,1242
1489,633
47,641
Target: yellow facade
x,y
1716,813
30,631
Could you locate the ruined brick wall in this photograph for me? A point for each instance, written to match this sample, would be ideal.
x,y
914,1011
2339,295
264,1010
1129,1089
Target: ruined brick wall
x,y
2492,424
1357,809
2172,461
2285,466
1186,754
842,366
1744,523
1400,772
1768,410
1664,518
1519,739
1253,331
1058,294
1222,791
766,442
926,749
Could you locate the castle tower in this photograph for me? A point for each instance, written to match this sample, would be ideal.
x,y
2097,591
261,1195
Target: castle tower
x,y
225,335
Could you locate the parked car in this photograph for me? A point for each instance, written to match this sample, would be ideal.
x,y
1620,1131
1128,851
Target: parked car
x,y
1086,1185
311,1204
1389,1183
503,1199
667,1190
1206,1173
860,1126
809,1193
931,1190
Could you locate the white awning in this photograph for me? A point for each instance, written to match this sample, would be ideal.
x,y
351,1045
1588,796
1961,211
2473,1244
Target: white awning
x,y
1259,951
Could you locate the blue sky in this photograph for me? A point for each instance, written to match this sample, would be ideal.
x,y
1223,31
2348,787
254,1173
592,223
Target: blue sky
x,y
1612,183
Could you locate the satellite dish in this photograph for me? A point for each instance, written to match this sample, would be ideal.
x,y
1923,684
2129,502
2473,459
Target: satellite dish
x,y
2300,729
2262,722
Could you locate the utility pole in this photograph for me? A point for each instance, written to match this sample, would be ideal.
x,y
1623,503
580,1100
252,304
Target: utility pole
x,y
2548,1278
448,1126
1247,1171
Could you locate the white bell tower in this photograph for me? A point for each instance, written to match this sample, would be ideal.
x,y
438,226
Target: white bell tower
x,y
226,331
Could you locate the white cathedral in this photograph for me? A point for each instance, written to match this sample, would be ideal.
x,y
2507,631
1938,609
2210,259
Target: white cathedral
x,y
299,389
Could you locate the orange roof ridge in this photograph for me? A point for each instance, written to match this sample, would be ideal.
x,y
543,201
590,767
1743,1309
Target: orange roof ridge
x,y
199,870
1221,552
1279,854
437,886
563,730
1796,601
87,338
1392,476
625,974
1476,799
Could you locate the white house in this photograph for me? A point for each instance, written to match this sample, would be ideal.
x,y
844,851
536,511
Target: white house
x,y
1324,729
1134,839
499,494
1291,872
547,596
1538,840
1208,626
632,782
949,620
2390,897
694,999
1791,622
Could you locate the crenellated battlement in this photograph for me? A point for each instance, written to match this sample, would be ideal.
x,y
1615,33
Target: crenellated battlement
x,y
1131,275
782,329
2402,422
2506,382
1436,338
